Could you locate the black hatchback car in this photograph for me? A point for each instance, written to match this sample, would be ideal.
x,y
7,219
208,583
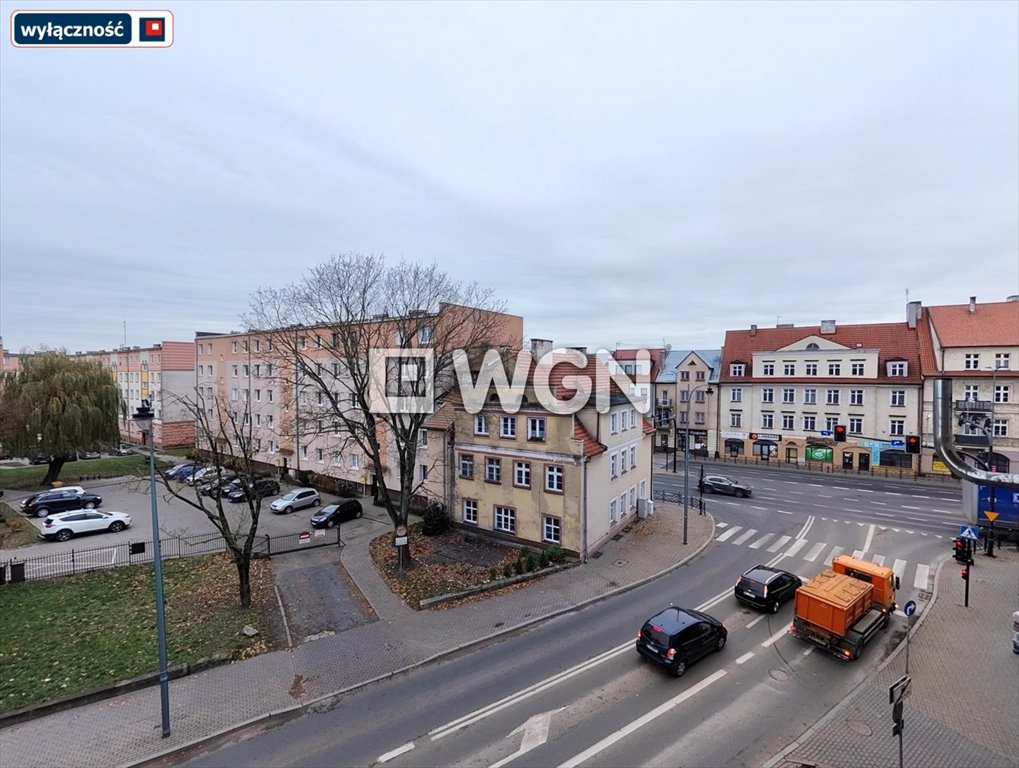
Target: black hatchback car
x,y
766,587
262,487
59,500
723,484
677,637
334,514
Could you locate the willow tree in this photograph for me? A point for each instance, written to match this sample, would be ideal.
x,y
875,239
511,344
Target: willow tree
x,y
365,347
56,405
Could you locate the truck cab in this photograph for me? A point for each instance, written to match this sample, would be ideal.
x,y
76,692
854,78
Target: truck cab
x,y
882,578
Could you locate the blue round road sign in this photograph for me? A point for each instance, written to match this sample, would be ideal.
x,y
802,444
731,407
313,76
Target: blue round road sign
x,y
909,608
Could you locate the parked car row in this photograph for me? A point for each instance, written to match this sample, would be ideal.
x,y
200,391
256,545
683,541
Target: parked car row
x,y
677,637
59,500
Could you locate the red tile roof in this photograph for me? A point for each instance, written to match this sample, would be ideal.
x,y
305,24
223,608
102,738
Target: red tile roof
x,y
649,428
991,325
442,417
895,340
591,446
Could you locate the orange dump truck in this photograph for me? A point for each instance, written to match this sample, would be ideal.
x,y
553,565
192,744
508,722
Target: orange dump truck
x,y
844,607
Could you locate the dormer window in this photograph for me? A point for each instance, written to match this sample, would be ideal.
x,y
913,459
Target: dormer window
x,y
737,369
898,368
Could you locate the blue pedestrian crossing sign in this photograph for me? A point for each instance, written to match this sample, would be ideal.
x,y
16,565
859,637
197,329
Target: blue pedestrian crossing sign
x,y
968,532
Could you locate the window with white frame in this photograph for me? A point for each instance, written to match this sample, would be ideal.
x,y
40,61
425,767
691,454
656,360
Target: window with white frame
x,y
789,369
1000,428
233,393
788,395
633,457
423,472
684,375
767,421
613,466
1002,360
480,424
736,395
233,346
856,369
552,530
809,423
425,335
632,497
623,509
1001,393
971,392
234,369
633,417
834,368
830,422
493,470
856,397
471,511
833,396
613,423
735,419
768,369
535,427
810,369
320,456
554,479
737,369
643,489
856,425
268,394
787,421
896,426
522,474
302,342
972,361
506,519
269,419
613,511
258,395
898,368
247,371
767,395
700,376
898,397
684,396
507,426
258,419
304,451
467,466
810,396
354,461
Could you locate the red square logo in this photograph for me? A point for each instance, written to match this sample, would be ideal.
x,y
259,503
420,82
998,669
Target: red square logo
x,y
151,29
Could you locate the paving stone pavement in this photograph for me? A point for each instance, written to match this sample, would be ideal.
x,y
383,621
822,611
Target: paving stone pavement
x,y
963,711
125,730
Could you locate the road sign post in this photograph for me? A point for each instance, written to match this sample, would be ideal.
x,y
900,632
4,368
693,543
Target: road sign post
x,y
898,691
991,516
909,609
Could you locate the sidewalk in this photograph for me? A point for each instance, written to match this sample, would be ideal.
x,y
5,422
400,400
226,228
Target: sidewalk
x,y
125,730
964,706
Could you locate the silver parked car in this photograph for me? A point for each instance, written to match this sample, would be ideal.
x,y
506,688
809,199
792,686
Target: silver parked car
x,y
299,498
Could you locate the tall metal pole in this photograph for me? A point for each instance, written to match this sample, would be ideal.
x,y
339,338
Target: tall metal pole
x,y
991,464
686,468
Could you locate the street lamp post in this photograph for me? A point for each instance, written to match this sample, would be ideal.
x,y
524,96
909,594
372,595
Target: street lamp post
x,y
686,456
143,417
991,467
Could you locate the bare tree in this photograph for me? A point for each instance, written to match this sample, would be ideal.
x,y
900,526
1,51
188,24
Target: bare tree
x,y
366,347
224,437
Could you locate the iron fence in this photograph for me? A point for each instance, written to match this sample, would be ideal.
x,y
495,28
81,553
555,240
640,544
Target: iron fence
x,y
896,473
77,561
696,502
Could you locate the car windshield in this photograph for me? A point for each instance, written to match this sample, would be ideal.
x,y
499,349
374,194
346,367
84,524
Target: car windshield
x,y
327,510
289,496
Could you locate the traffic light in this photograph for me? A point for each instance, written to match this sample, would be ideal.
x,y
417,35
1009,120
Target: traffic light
x,y
912,444
840,433
965,574
963,551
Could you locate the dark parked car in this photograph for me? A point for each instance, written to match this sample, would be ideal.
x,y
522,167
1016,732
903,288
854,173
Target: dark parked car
x,y
213,485
334,514
40,458
185,470
677,637
722,484
766,587
262,487
59,500
91,455
123,450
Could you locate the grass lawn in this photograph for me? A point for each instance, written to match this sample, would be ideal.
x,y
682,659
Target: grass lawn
x,y
64,636
15,530
29,478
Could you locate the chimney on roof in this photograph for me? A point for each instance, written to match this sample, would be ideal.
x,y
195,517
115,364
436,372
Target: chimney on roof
x,y
753,330
581,350
785,325
540,348
827,326
914,311
972,304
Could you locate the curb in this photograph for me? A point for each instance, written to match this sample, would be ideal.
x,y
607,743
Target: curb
x,y
491,586
851,696
323,702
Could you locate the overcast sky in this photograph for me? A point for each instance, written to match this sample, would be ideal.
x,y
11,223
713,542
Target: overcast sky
x,y
617,173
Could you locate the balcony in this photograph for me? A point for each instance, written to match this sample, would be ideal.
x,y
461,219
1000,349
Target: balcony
x,y
980,440
974,405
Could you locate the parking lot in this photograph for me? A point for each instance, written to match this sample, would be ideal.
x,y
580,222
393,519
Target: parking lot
x,y
178,518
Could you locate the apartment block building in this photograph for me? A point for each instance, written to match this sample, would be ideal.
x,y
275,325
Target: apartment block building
x,y
975,346
284,394
537,476
783,391
9,361
685,397
164,374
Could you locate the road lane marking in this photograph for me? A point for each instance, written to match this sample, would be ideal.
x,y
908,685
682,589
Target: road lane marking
x,y
869,540
761,541
783,512
808,651
883,514
395,752
858,553
840,487
882,503
756,621
879,559
835,552
798,493
742,539
763,509
917,496
640,722
920,580
898,567
725,535
720,524
865,490
815,485
775,637
824,496
915,509
943,511
796,547
535,734
811,556
745,657
779,544
892,493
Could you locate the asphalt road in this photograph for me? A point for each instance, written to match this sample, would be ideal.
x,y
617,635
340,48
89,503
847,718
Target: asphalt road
x,y
573,691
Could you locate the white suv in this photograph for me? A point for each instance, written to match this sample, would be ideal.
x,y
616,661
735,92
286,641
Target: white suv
x,y
64,525
299,498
